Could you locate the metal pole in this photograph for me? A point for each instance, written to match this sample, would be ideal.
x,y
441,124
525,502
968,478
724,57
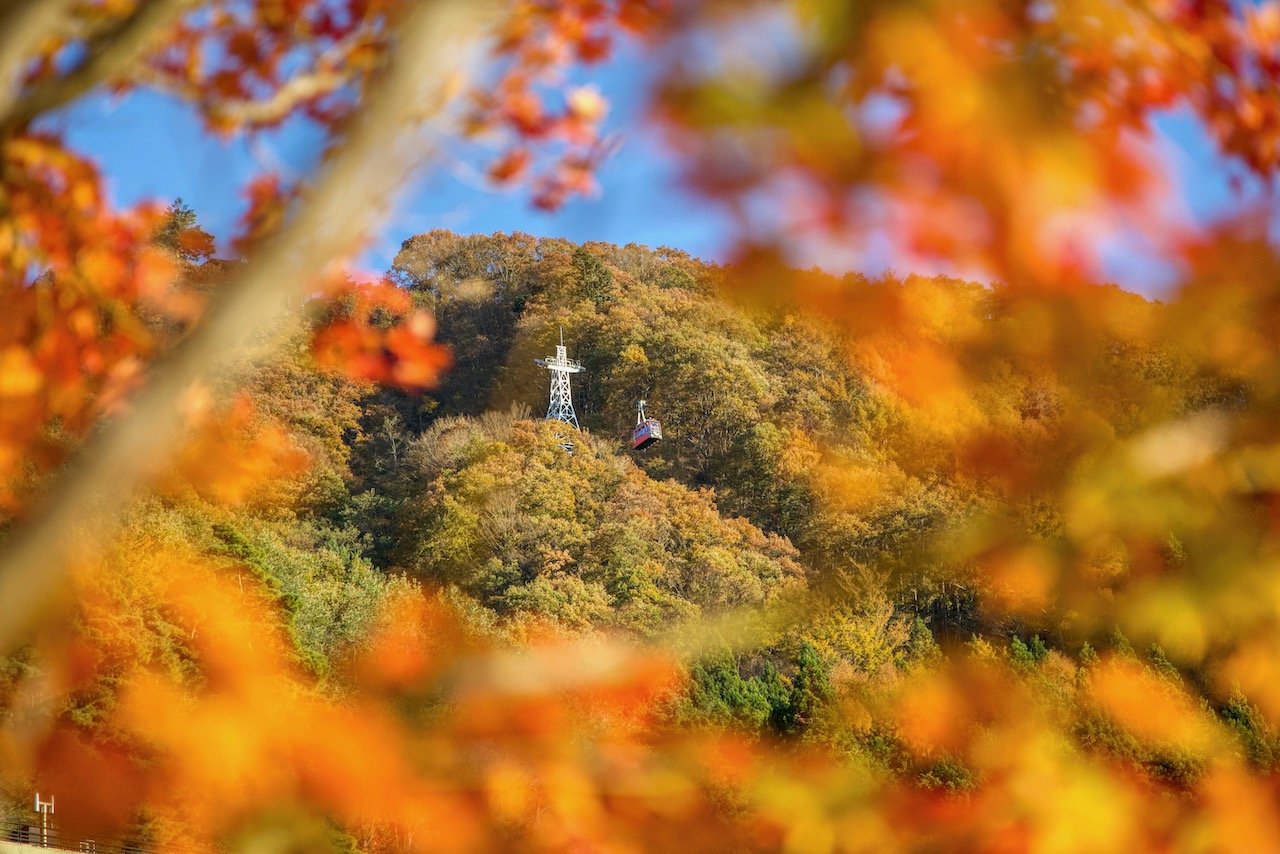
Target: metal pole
x,y
45,808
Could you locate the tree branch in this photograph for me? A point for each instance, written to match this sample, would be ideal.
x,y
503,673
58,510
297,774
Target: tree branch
x,y
243,112
331,72
110,52
25,25
358,185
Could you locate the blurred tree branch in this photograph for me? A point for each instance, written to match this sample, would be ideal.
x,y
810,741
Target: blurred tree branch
x,y
24,25
333,71
357,186
108,53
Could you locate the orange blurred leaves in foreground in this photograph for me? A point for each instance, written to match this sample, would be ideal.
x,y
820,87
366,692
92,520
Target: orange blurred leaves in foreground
x,y
1008,138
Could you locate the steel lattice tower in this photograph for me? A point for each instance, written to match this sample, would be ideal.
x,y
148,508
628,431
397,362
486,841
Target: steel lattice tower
x,y
560,404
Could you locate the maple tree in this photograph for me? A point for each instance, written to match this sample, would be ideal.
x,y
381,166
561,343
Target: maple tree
x,y
1093,474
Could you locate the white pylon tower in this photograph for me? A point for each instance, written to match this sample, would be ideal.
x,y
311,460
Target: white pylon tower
x,y
560,404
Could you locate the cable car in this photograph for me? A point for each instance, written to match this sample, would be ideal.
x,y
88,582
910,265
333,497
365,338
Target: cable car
x,y
647,431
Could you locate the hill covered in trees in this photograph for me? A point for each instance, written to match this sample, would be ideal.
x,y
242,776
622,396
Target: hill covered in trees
x,y
803,423
801,489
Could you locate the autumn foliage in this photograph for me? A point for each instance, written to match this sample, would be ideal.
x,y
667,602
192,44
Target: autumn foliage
x,y
923,564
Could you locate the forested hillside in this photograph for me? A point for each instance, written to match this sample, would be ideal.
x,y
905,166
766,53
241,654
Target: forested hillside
x,y
800,423
794,492
793,459
794,420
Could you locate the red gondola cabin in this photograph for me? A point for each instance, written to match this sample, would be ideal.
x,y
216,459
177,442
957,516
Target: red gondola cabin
x,y
647,431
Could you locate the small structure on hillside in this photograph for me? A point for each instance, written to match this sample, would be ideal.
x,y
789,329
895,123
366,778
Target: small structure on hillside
x,y
560,403
648,430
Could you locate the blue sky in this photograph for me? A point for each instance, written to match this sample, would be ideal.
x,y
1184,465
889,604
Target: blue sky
x,y
152,147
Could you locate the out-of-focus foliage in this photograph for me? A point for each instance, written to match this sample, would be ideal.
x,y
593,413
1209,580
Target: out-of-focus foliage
x,y
1012,137
1033,522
